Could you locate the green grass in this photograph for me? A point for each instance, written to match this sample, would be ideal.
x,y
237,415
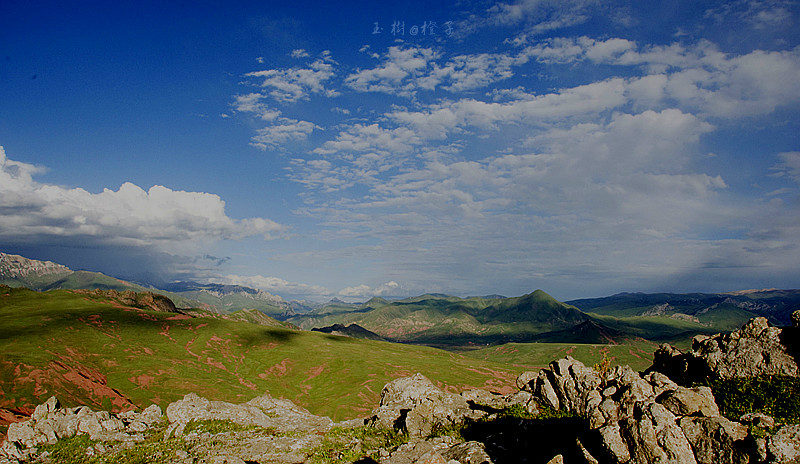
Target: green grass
x,y
348,445
532,356
215,426
87,351
776,396
70,450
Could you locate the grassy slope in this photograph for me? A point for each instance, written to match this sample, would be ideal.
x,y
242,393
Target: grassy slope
x,y
452,321
231,303
533,356
88,351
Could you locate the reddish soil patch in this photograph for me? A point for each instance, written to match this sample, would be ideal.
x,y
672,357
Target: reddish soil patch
x,y
278,370
74,382
143,380
179,317
316,371
165,331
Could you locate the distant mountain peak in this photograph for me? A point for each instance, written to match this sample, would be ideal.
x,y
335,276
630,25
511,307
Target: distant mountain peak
x,y
19,267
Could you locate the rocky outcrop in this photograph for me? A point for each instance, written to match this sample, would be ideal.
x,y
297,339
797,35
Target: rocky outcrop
x,y
416,406
756,349
51,422
263,411
649,418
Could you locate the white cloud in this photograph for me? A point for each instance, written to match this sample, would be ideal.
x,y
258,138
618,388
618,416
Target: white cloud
x,y
283,131
542,15
293,84
437,121
406,71
789,165
361,138
251,103
299,53
276,285
393,75
391,288
699,77
159,217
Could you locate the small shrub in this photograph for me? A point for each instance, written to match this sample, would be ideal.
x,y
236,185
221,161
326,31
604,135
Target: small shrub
x,y
604,365
776,396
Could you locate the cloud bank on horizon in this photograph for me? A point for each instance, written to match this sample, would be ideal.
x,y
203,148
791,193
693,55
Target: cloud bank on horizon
x,y
575,146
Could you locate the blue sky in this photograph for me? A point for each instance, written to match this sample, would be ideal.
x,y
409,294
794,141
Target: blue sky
x,y
352,149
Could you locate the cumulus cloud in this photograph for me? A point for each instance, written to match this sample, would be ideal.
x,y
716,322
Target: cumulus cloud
x,y
276,285
391,288
130,216
284,130
405,71
698,77
297,83
438,120
789,165
394,73
542,15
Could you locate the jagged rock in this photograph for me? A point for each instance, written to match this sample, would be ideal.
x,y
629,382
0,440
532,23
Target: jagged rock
x,y
796,319
756,349
263,411
758,419
41,411
525,380
697,401
471,452
557,459
416,405
716,440
653,436
784,445
613,443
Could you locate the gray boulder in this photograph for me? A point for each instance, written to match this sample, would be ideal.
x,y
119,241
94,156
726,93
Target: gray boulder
x,y
416,405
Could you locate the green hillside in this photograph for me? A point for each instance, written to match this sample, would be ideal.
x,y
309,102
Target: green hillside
x,y
90,350
448,321
534,356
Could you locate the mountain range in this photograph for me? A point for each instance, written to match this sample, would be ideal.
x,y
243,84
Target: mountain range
x,y
449,321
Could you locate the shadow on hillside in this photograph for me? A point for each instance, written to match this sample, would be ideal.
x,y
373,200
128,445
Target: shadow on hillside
x,y
267,335
511,440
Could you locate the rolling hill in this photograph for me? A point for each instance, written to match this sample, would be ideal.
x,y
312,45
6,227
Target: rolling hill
x,y
447,321
91,348
18,271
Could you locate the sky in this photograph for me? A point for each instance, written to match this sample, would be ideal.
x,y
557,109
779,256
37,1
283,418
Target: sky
x,y
354,149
